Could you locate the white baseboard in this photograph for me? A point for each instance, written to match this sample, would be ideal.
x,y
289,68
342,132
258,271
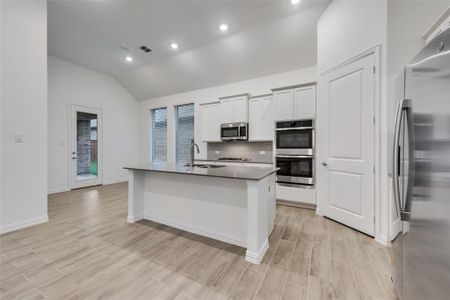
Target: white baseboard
x,y
23,224
296,204
134,219
115,181
198,230
67,189
58,190
385,241
256,257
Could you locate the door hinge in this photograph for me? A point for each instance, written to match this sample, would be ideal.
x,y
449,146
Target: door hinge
x,y
373,119
374,69
373,169
374,220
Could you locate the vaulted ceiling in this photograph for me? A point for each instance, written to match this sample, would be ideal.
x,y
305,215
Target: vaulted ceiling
x,y
264,37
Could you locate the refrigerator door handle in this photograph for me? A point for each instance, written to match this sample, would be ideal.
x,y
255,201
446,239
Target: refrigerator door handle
x,y
406,208
396,165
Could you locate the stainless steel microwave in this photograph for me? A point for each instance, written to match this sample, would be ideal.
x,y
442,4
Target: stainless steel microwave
x,y
234,131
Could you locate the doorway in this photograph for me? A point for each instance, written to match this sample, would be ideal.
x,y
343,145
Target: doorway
x,y
86,146
347,138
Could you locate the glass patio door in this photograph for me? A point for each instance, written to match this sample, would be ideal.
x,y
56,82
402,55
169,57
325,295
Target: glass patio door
x,y
86,146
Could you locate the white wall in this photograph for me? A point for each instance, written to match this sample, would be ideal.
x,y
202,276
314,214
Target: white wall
x,y
23,109
346,29
408,20
255,87
73,84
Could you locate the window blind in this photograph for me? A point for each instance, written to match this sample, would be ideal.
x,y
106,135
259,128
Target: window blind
x,y
159,134
184,127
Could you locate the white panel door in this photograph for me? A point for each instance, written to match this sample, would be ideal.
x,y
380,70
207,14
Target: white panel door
x,y
346,145
226,111
267,119
284,105
305,102
240,109
254,119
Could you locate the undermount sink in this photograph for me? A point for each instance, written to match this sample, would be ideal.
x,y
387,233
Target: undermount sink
x,y
205,166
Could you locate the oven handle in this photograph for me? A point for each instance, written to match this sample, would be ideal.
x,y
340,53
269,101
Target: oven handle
x,y
294,156
293,128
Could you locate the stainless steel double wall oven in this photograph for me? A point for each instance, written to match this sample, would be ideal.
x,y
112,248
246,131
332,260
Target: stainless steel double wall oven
x,y
294,152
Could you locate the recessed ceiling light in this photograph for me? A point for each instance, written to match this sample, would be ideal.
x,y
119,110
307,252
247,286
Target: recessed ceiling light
x,y
174,45
129,58
223,27
295,1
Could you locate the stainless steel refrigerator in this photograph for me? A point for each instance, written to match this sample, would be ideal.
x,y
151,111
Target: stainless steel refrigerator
x,y
421,175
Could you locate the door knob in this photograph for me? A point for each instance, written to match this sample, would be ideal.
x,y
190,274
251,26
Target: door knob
x,y
324,164
74,158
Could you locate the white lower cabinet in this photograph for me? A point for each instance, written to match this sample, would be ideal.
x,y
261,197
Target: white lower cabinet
x,y
296,194
261,119
210,122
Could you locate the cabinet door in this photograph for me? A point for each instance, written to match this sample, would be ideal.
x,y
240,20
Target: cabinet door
x,y
205,121
284,103
226,111
240,109
254,119
305,102
210,122
267,119
214,125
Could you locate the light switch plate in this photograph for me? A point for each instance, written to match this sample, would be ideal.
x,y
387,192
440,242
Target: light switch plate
x,y
18,137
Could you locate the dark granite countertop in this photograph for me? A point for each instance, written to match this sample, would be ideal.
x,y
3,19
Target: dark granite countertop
x,y
232,172
236,161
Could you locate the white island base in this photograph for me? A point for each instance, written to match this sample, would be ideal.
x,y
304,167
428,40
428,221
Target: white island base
x,y
235,211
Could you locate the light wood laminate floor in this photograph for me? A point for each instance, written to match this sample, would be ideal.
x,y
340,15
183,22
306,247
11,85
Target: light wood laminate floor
x,y
89,251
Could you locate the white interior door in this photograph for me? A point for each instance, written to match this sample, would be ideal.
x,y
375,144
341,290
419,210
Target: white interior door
x,y
86,146
346,173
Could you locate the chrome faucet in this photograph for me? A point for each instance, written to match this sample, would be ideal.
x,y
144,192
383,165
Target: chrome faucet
x,y
193,145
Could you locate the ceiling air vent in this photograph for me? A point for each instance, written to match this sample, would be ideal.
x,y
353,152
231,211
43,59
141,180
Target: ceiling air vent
x,y
145,49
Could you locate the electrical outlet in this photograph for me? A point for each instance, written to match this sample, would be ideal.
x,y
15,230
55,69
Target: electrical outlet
x,y
18,137
262,152
216,152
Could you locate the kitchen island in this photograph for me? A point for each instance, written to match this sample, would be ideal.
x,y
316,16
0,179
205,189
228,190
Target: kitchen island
x,y
232,204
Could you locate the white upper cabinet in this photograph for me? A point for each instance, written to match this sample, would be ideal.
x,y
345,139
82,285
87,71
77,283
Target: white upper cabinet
x,y
284,103
296,103
268,118
261,118
210,122
226,111
254,118
240,109
305,102
234,109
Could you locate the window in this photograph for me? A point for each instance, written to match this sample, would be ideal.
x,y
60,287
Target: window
x,y
184,132
159,135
